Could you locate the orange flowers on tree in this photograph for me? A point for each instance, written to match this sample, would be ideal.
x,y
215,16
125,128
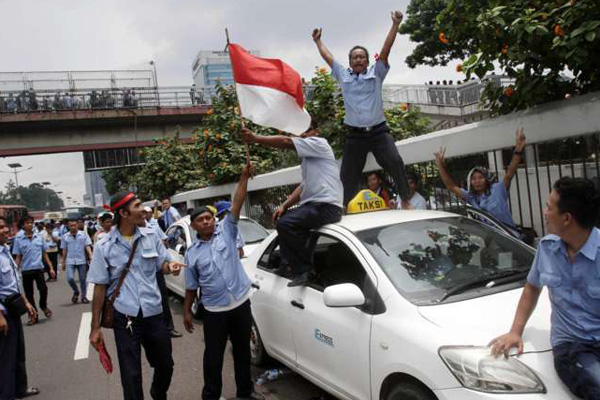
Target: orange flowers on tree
x,y
443,38
505,49
508,91
459,67
404,107
559,31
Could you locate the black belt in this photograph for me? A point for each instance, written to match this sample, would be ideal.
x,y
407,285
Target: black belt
x,y
365,128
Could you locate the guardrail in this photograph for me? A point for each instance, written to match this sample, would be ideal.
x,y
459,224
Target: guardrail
x,y
562,140
30,101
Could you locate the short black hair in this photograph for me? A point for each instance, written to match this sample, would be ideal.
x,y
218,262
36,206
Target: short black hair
x,y
578,197
357,47
80,219
116,198
413,175
3,219
24,219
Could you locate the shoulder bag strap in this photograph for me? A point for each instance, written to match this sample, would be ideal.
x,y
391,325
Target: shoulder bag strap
x,y
125,271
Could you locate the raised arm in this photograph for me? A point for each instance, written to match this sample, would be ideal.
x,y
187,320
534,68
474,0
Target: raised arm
x,y
516,159
391,37
240,193
448,182
323,50
278,142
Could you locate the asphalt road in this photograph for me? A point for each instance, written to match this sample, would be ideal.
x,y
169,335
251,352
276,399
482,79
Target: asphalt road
x,y
64,367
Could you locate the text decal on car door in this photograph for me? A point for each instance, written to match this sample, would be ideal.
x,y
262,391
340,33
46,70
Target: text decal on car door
x,y
328,340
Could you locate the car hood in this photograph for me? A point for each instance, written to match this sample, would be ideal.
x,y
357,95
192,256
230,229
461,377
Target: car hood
x,y
477,321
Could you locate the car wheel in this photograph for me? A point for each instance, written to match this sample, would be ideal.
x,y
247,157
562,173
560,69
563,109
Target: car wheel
x,y
258,354
409,391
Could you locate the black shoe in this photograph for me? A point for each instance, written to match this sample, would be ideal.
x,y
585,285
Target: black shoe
x,y
84,300
175,334
252,396
300,280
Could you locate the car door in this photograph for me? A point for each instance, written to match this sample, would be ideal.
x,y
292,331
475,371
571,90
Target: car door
x,y
332,344
176,246
271,306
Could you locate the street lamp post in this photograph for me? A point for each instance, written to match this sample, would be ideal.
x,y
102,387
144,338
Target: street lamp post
x,y
14,166
155,82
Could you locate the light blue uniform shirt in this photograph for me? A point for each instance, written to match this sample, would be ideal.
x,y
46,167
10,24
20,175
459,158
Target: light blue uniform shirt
x,y
363,98
574,289
10,283
75,246
215,267
153,223
31,251
170,216
495,203
320,173
140,290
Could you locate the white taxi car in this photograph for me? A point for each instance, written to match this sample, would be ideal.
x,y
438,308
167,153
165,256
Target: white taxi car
x,y
180,236
401,305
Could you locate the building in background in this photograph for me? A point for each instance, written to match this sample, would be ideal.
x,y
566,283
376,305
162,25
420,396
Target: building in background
x,y
95,189
211,67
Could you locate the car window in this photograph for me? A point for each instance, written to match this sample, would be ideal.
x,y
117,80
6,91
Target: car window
x,y
252,231
176,236
335,263
427,259
271,260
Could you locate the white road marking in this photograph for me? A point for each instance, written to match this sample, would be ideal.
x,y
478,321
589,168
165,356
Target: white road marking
x,y
82,349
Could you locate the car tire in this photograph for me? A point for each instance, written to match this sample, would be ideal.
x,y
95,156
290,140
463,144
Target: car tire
x,y
258,354
409,391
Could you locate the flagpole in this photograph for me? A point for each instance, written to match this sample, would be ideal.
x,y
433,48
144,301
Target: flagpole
x,y
239,111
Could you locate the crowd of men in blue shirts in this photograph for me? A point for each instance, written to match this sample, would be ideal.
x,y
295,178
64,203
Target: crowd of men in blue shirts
x,y
130,258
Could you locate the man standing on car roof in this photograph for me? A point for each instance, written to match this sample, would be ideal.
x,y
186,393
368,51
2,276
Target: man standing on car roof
x,y
138,318
214,267
367,130
568,263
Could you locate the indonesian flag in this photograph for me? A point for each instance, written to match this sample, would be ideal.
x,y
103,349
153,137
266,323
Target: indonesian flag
x,y
269,92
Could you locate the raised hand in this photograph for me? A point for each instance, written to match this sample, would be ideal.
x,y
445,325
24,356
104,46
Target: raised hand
x,y
396,17
247,135
440,156
316,34
519,140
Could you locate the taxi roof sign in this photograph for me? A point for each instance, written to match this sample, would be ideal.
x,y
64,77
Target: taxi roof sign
x,y
366,201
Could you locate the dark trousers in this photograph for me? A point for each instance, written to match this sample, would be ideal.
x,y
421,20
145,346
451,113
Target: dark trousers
x,y
358,145
578,366
162,285
294,231
218,326
38,276
53,256
13,373
152,334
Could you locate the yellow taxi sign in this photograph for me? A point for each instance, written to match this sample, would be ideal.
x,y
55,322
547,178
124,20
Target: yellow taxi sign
x,y
366,201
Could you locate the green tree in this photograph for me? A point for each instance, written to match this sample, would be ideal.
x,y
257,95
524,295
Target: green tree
x,y
35,197
550,48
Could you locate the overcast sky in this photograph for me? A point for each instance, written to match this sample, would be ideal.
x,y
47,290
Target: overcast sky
x,y
63,35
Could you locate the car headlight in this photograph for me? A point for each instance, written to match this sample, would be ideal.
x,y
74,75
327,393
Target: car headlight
x,y
475,368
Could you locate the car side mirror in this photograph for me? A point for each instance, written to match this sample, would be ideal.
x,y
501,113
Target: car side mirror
x,y
343,295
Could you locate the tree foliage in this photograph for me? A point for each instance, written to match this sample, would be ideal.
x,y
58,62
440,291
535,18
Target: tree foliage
x,y
550,48
35,197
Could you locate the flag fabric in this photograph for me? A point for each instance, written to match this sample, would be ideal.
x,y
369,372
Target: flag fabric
x,y
269,91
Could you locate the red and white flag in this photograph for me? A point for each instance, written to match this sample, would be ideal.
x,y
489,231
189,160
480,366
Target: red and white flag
x,y
269,91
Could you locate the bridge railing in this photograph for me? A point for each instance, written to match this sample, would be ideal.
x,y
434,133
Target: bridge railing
x,y
30,101
563,139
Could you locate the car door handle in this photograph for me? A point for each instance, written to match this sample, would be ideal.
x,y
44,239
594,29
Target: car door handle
x,y
255,285
297,304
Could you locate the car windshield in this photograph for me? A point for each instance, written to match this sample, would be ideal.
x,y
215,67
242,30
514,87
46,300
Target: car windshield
x,y
252,231
431,260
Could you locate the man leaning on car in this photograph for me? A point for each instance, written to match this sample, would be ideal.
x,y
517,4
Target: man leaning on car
x,y
568,263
